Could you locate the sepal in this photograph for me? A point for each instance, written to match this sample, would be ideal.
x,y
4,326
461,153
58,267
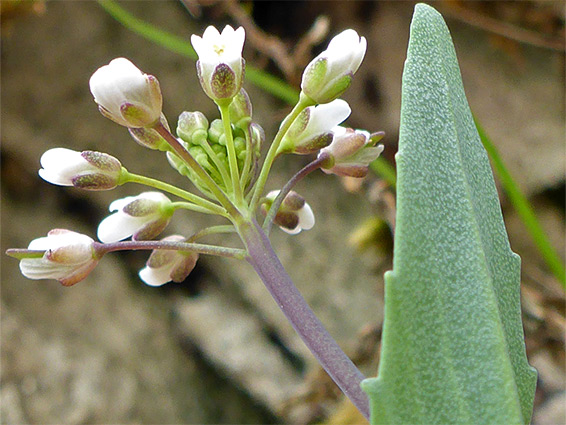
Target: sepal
x,y
150,138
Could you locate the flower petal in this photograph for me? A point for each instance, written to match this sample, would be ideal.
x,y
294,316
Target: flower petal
x,y
306,217
156,276
118,226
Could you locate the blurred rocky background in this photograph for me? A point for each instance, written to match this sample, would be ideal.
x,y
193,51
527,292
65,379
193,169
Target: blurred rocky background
x,y
215,348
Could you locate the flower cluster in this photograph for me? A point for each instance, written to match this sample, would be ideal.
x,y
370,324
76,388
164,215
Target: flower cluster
x,y
220,156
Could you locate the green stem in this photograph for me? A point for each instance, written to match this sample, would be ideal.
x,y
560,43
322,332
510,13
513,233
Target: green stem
x,y
198,170
219,165
212,230
232,160
204,205
524,209
303,103
248,160
191,207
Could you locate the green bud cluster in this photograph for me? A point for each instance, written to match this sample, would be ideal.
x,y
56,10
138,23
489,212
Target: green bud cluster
x,y
207,145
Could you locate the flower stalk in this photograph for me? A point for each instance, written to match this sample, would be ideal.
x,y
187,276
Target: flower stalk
x,y
220,251
198,204
232,161
337,364
197,168
304,102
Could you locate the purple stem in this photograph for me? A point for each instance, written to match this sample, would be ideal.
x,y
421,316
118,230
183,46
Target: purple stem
x,y
221,251
331,357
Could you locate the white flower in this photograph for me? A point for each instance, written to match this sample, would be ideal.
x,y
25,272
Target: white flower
x,y
294,214
126,95
328,75
351,152
69,257
142,217
220,66
86,170
168,265
312,129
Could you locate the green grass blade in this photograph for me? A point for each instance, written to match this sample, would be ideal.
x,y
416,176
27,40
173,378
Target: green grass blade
x,y
524,209
163,38
385,170
453,347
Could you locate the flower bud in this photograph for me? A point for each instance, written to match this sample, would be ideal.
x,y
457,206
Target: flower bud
x,y
294,214
220,66
150,138
178,164
126,95
351,152
142,217
216,132
86,170
241,110
69,257
312,129
168,265
191,124
258,137
328,75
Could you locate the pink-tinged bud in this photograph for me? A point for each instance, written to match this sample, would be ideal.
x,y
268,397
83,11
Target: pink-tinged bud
x,y
126,95
192,124
69,257
351,152
86,170
258,138
168,265
150,138
294,214
328,75
143,217
312,129
220,67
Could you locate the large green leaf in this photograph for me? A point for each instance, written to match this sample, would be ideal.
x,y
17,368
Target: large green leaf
x,y
453,346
